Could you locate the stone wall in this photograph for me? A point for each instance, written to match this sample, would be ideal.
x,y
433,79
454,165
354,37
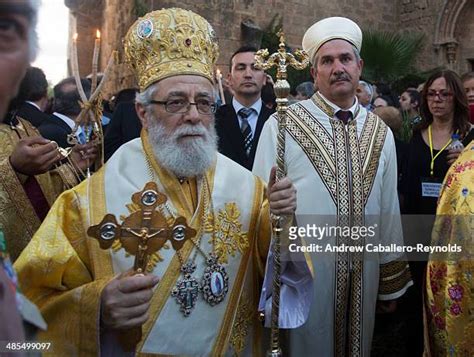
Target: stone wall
x,y
430,17
227,15
465,34
420,17
88,20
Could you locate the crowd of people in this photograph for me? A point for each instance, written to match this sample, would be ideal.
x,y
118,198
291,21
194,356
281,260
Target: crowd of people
x,y
167,247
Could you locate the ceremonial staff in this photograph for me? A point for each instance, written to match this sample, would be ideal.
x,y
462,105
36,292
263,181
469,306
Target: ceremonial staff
x,y
281,60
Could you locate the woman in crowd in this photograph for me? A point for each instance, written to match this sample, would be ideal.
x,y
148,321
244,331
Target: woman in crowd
x,y
468,83
410,105
384,101
445,112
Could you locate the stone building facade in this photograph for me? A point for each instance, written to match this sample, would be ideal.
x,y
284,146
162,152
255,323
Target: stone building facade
x,y
448,25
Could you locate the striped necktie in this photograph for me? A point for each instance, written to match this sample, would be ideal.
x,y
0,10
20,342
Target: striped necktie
x,y
244,113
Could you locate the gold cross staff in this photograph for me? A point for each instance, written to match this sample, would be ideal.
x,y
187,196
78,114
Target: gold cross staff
x,y
281,60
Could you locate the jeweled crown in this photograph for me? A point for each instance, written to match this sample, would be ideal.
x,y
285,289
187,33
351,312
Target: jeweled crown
x,y
170,42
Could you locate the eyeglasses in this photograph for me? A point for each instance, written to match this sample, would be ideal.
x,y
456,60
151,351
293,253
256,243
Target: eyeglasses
x,y
442,95
181,106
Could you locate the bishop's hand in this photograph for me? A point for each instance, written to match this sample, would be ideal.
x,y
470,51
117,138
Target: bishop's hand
x,y
281,195
125,301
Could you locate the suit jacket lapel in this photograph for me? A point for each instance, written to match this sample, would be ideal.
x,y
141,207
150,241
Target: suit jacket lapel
x,y
262,118
62,124
234,134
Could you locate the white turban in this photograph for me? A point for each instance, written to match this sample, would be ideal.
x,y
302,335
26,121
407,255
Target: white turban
x,y
331,28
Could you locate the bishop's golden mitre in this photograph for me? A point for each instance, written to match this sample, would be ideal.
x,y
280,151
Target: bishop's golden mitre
x,y
170,42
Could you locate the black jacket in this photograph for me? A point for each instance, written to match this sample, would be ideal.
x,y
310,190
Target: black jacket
x,y
54,128
231,140
123,127
29,112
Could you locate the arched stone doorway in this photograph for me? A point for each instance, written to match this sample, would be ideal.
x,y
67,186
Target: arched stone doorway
x,y
453,39
465,34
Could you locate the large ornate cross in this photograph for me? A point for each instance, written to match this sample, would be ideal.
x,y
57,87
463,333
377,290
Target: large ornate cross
x,y
141,234
145,231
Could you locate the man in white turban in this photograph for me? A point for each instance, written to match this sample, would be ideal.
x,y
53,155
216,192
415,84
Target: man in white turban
x,y
342,161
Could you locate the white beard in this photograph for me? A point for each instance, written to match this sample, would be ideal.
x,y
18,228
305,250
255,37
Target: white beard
x,y
189,158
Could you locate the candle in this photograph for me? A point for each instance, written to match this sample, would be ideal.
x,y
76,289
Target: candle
x,y
95,61
75,68
219,82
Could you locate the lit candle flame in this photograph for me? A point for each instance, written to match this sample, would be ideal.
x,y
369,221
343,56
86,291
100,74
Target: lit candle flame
x,y
218,72
74,37
97,34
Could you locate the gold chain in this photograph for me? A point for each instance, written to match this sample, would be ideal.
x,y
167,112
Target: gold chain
x,y
207,206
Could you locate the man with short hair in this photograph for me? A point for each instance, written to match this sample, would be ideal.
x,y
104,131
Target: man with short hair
x,y
304,91
199,294
66,108
239,124
342,161
365,93
32,98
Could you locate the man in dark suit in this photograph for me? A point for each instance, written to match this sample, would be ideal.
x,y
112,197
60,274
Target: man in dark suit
x,y
124,126
66,108
240,123
32,98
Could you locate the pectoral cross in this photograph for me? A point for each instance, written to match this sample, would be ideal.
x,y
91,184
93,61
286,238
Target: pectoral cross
x,y
186,289
145,231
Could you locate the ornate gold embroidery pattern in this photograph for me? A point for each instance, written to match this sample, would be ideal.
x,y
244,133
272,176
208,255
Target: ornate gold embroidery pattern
x,y
391,286
227,230
315,142
366,136
16,196
357,214
321,104
375,133
179,42
393,277
343,206
242,325
392,268
222,341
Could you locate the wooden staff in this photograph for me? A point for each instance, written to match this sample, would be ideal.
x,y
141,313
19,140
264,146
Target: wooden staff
x,y
281,60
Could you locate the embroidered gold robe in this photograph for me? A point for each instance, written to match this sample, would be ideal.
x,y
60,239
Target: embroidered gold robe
x,y
64,271
449,296
17,215
345,175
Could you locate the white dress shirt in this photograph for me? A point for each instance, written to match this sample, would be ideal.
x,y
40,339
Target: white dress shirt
x,y
253,118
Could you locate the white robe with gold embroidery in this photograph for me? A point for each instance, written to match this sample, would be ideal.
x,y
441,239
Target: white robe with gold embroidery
x,y
64,271
341,172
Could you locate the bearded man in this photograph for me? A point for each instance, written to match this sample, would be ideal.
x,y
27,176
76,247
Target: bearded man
x,y
88,296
